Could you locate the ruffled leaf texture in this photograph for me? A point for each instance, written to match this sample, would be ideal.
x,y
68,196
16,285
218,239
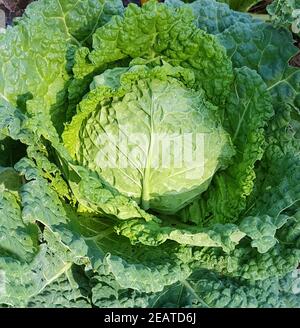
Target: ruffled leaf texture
x,y
67,240
285,14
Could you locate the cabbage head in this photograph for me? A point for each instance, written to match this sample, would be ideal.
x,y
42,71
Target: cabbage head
x,y
149,157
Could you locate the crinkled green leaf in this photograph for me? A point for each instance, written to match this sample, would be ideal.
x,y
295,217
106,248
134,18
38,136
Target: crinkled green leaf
x,y
68,238
254,46
278,192
248,263
24,281
246,114
252,43
285,13
154,100
34,53
10,179
156,30
17,238
207,289
107,293
152,233
262,230
212,16
93,240
71,289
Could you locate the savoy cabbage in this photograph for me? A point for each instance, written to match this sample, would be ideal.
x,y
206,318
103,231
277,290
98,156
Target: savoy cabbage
x,y
78,228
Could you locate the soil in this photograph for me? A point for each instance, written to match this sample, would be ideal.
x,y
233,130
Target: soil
x,y
296,60
13,8
260,7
